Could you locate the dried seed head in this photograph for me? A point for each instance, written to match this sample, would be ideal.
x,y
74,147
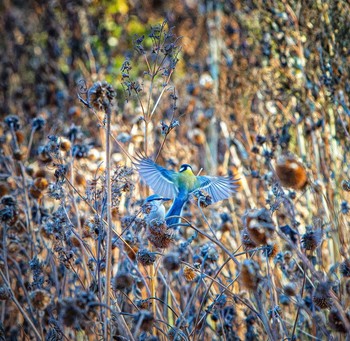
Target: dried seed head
x,y
8,200
247,243
40,299
344,268
100,95
146,257
291,289
5,293
144,304
311,240
345,185
271,251
144,320
171,261
189,273
157,227
291,172
335,321
250,276
259,225
122,280
65,144
321,296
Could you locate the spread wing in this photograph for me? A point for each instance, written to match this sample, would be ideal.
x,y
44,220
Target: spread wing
x,y
218,187
160,179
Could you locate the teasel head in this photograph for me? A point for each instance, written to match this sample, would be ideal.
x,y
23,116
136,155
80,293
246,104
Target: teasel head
x,y
321,296
311,239
250,276
259,225
291,172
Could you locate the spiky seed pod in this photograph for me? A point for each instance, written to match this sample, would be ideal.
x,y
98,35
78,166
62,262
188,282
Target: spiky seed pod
x,y
171,261
291,289
321,296
344,268
122,280
100,95
146,257
157,227
311,240
5,293
144,320
345,185
335,321
291,172
40,299
259,226
250,276
189,273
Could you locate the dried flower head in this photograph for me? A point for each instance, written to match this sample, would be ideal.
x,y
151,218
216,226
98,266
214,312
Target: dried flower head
x,y
40,299
344,268
291,289
291,172
5,293
171,261
146,257
143,320
247,243
159,235
100,95
259,225
311,239
189,273
250,276
335,321
122,280
321,296
345,185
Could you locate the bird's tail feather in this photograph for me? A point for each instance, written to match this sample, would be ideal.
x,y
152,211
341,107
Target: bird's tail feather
x,y
173,216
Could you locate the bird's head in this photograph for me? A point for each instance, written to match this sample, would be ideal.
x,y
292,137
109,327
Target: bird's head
x,y
186,168
155,199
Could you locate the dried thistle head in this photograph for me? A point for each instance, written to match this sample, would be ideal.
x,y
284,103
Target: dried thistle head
x,y
259,225
146,257
291,172
250,276
321,296
311,239
100,95
143,320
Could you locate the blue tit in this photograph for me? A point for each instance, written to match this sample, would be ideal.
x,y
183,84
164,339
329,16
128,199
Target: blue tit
x,y
179,185
154,208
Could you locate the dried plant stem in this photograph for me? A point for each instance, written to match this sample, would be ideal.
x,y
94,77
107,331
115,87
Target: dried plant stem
x,y
25,315
109,221
299,306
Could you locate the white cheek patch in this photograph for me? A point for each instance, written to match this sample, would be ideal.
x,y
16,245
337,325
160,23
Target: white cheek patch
x,y
294,165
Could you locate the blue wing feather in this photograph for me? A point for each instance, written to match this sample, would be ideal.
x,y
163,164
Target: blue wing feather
x,y
160,179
